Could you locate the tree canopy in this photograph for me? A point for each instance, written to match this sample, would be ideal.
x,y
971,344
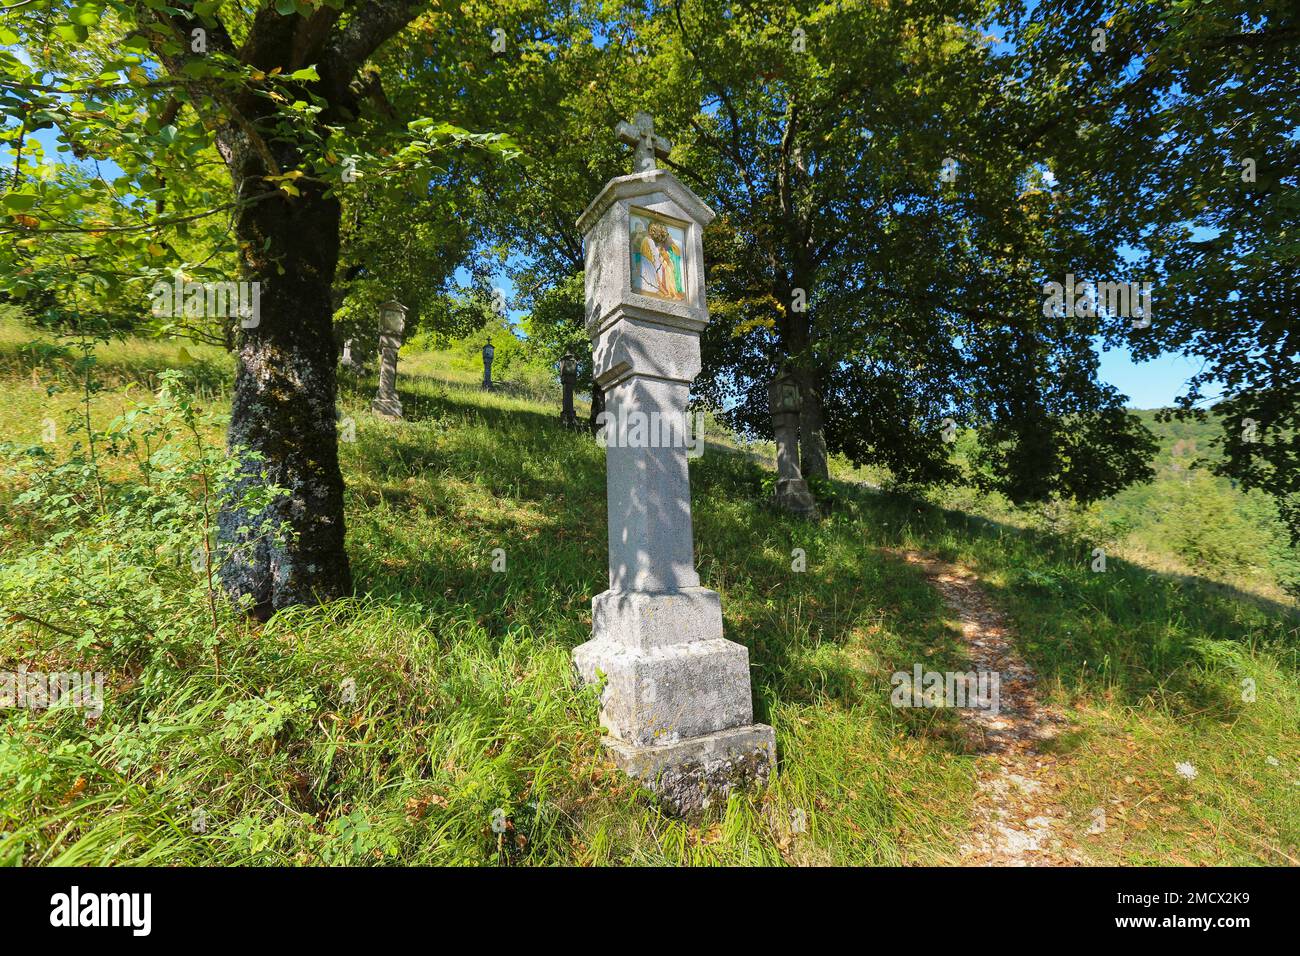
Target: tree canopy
x,y
897,189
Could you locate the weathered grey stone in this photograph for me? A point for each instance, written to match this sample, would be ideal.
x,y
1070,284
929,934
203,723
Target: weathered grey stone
x,y
651,544
792,495
648,619
784,400
662,695
392,322
488,353
640,135
691,775
676,699
346,360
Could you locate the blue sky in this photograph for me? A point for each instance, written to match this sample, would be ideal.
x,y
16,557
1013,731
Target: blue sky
x,y
1153,384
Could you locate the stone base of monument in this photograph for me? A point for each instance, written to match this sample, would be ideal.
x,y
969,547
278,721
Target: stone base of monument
x,y
690,776
676,702
792,495
387,408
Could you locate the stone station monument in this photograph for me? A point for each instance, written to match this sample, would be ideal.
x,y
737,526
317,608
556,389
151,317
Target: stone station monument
x,y
568,380
392,322
791,491
676,701
488,353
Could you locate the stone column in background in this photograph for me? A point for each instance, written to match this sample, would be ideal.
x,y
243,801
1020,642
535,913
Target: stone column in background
x,y
347,361
488,352
792,492
676,699
392,322
568,379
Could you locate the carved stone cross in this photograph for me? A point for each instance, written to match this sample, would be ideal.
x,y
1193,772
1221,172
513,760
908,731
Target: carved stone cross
x,y
640,135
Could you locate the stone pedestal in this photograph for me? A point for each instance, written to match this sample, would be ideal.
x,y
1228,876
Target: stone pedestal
x,y
791,492
488,353
392,322
676,702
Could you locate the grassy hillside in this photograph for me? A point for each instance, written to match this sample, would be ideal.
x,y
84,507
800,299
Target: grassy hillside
x,y
390,727
1185,520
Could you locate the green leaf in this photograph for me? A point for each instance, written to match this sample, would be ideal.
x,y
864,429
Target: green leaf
x,y
306,73
86,15
20,201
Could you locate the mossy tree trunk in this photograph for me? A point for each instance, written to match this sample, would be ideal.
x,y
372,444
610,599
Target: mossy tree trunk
x,y
795,325
282,427
282,424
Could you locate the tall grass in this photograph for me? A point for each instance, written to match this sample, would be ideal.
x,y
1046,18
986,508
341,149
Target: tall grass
x,y
390,727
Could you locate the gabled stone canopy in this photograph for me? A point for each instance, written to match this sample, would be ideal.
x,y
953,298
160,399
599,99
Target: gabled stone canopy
x,y
604,226
644,184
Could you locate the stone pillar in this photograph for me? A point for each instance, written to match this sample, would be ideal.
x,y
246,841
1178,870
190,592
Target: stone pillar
x,y
347,361
792,492
676,699
392,322
488,352
568,379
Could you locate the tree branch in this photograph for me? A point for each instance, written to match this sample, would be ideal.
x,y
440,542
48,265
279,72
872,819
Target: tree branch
x,y
157,224
370,23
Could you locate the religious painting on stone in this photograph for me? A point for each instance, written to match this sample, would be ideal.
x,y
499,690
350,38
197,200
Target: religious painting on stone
x,y
658,256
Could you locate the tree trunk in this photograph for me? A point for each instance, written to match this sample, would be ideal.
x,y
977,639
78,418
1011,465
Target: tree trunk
x,y
812,435
796,334
282,424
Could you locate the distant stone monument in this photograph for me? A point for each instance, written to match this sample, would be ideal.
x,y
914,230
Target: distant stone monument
x,y
568,379
392,322
676,699
488,352
347,361
784,400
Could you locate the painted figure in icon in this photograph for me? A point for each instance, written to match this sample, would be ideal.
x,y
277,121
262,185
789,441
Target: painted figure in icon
x,y
657,259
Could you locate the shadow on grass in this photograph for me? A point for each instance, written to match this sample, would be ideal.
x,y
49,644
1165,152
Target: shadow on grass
x,y
831,634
